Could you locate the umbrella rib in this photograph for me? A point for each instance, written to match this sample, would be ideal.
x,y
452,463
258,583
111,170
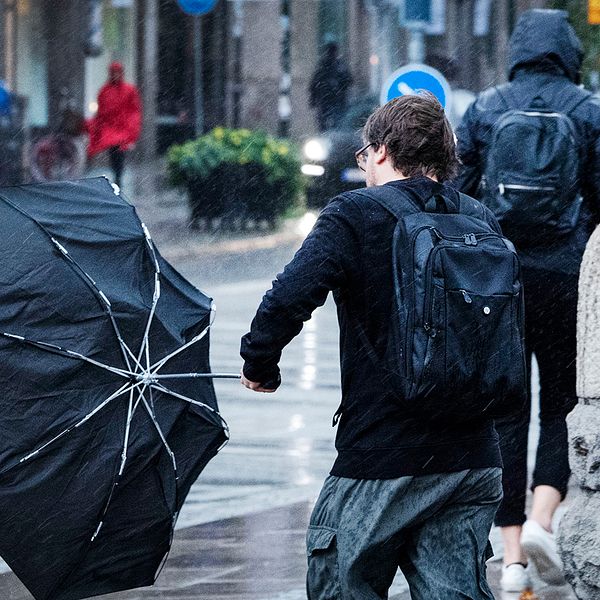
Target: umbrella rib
x,y
54,349
158,365
155,298
125,350
123,389
145,342
127,430
161,434
162,388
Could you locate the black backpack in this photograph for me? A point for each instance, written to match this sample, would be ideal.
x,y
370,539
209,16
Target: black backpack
x,y
455,347
531,176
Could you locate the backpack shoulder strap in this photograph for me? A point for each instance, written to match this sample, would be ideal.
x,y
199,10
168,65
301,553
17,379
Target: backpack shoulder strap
x,y
506,96
387,196
578,96
471,207
571,97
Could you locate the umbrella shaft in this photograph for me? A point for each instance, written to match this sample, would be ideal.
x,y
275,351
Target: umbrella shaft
x,y
197,376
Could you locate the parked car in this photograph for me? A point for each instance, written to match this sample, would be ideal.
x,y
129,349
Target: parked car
x,y
329,157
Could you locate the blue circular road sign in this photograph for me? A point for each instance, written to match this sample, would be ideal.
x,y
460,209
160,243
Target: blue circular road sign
x,y
415,78
196,7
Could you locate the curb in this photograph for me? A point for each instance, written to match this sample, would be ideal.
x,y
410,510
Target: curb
x,y
197,249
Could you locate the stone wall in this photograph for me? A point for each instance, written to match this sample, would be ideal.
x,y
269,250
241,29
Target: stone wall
x,y
579,533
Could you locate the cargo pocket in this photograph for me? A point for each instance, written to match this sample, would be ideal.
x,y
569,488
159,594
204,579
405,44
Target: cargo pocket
x,y
484,587
322,578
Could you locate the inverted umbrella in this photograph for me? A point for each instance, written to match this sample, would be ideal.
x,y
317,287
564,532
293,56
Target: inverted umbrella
x,y
107,408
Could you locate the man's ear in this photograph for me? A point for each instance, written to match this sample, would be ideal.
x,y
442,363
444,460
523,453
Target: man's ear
x,y
380,155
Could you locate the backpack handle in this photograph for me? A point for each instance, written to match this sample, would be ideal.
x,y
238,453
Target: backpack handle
x,y
440,204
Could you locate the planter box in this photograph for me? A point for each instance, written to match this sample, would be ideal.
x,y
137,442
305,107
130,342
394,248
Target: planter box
x,y
236,196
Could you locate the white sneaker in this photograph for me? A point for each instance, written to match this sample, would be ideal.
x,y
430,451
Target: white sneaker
x,y
540,546
515,578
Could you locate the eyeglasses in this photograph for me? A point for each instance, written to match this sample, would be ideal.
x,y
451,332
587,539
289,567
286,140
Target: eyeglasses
x,y
362,155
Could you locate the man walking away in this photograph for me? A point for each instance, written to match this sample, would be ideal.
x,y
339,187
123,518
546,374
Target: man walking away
x,y
531,150
329,88
429,298
117,124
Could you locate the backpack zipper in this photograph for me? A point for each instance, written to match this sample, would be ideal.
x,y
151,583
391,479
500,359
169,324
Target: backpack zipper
x,y
502,187
469,239
410,326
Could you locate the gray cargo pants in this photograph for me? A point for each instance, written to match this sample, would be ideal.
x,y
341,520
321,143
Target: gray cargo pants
x,y
434,528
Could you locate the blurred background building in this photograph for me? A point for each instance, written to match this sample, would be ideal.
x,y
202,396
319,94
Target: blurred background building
x,y
257,55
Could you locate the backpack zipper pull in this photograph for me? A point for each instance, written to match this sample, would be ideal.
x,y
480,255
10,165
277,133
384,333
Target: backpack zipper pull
x,y
429,330
470,239
466,296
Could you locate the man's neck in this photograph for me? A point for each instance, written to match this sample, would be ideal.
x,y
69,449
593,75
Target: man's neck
x,y
393,175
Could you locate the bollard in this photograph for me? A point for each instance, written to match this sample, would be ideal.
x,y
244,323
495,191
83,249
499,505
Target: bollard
x,y
579,531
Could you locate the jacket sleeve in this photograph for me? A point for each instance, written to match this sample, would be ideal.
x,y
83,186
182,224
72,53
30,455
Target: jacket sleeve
x,y
322,264
469,177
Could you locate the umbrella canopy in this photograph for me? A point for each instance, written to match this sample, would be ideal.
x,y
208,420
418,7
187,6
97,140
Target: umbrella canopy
x,y
106,413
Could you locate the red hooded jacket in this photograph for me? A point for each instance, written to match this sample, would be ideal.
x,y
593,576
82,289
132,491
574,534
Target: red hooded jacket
x,y
119,118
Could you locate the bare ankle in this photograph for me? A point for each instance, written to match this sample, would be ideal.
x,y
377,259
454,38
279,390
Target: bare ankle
x,y
544,522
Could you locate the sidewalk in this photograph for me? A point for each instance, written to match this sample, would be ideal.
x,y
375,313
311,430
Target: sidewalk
x,y
259,556
165,212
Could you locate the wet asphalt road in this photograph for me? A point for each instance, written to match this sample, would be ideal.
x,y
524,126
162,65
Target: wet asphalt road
x,y
241,532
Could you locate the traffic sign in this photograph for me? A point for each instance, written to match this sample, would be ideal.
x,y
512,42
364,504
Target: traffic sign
x,y
416,11
196,7
415,78
594,12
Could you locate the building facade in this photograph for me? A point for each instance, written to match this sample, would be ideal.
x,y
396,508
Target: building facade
x,y
256,56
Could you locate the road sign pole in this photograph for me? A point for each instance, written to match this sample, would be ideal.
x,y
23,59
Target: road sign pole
x,y
416,44
198,88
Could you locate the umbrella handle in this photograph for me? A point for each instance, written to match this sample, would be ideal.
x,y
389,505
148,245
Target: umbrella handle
x,y
197,376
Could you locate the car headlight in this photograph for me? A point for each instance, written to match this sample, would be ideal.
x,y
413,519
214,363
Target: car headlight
x,y
316,149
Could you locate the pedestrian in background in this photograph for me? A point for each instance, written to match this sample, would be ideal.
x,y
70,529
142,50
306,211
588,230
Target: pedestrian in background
x,y
413,485
531,152
329,88
117,124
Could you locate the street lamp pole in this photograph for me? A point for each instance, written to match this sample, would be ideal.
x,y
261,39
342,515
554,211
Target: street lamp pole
x,y
238,16
198,87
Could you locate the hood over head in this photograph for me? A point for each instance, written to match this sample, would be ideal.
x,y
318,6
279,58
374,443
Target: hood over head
x,y
545,37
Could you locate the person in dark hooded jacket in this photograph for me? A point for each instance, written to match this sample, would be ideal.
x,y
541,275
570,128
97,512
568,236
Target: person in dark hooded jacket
x,y
329,88
545,60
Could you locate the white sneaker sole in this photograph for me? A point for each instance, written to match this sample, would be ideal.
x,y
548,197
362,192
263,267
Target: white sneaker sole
x,y
515,589
546,567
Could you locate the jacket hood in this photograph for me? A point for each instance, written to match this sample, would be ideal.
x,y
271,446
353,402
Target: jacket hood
x,y
545,38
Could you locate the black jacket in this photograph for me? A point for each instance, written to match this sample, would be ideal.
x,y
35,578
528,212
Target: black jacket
x,y
349,252
545,58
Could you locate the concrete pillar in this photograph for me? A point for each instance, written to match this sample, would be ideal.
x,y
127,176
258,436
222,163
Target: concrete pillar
x,y
501,33
304,54
66,23
358,46
579,532
3,45
148,74
261,65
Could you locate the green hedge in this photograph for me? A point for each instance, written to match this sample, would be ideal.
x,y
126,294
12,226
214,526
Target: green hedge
x,y
238,174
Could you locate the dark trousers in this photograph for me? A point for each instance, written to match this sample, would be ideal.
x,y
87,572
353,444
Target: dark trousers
x,y
550,334
117,162
434,528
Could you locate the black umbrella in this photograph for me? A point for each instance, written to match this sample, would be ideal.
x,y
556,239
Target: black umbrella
x,y
107,408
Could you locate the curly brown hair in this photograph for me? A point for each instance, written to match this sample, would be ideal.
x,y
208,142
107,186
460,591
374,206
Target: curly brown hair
x,y
417,135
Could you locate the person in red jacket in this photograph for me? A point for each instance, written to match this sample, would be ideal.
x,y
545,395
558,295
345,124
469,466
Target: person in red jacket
x,y
117,124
